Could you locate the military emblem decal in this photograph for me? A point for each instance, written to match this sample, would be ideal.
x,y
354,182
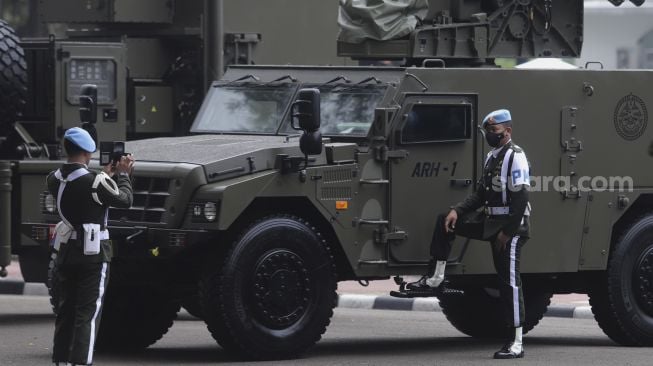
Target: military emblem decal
x,y
630,117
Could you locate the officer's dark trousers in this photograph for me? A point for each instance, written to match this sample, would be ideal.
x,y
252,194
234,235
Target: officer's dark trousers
x,y
506,263
81,289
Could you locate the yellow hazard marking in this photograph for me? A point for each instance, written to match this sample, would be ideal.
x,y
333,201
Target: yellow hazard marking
x,y
154,110
342,205
155,251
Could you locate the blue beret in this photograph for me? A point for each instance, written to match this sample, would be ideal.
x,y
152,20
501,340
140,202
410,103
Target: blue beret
x,y
81,138
499,116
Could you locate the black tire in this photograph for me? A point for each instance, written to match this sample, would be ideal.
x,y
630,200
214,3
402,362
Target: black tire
x,y
274,296
52,282
135,317
478,312
622,297
13,77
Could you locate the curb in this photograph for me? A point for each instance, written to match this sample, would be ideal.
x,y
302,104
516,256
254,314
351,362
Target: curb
x,y
346,301
350,301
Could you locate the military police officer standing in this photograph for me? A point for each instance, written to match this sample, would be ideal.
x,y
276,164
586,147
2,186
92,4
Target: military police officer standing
x,y
83,245
504,221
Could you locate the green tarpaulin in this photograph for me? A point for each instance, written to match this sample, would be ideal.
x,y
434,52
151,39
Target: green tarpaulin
x,y
380,20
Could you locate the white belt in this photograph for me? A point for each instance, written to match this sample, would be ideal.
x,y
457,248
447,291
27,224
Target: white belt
x,y
494,211
104,235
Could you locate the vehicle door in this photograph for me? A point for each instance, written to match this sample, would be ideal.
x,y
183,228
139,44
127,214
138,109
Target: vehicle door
x,y
437,134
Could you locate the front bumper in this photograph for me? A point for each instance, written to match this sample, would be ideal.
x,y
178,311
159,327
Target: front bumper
x,y
132,240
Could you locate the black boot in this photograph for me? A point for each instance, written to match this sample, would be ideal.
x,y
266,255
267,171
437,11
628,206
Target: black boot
x,y
512,349
420,288
433,280
419,285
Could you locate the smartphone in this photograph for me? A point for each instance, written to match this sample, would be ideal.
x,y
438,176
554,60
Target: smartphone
x,y
111,152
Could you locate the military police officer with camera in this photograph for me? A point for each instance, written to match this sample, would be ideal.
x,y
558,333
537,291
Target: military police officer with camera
x,y
504,221
82,242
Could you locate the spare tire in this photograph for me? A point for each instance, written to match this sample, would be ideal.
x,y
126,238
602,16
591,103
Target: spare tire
x,y
13,77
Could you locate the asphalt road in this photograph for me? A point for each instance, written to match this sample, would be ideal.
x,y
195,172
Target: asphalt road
x,y
355,337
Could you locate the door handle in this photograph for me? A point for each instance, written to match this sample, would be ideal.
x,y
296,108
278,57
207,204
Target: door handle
x,y
461,182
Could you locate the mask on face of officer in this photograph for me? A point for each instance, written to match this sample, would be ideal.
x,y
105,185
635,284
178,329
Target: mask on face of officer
x,y
494,139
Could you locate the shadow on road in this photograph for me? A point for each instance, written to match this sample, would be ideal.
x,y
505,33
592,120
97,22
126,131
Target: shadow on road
x,y
571,342
353,347
170,355
394,346
25,319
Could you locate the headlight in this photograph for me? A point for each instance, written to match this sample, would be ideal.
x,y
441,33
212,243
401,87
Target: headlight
x,y
49,203
210,211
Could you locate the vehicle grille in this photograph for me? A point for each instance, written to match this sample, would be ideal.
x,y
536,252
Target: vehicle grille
x,y
149,205
337,175
335,193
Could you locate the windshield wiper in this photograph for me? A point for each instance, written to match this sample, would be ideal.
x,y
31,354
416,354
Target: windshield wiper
x,y
249,76
341,77
345,88
285,77
371,78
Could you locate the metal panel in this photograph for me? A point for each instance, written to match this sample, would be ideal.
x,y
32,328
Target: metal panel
x,y
149,58
75,11
112,126
601,214
153,109
143,11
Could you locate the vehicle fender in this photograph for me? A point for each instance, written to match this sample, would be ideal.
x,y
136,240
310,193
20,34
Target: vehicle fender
x,y
234,195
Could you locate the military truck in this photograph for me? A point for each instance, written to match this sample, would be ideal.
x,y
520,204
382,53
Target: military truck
x,y
268,204
152,62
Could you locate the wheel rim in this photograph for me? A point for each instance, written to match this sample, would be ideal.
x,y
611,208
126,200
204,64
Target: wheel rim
x,y
281,289
643,281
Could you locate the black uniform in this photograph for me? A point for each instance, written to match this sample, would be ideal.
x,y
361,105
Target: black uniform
x,y
82,279
505,208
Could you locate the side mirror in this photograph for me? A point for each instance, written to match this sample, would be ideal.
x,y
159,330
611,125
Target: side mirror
x,y
88,103
307,110
311,143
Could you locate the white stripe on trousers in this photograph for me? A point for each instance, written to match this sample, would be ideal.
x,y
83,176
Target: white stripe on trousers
x,y
513,280
98,306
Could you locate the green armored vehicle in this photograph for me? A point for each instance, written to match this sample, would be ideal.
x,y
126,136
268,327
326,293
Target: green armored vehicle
x,y
152,61
256,223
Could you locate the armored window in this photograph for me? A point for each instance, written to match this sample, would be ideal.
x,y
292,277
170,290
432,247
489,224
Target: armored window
x,y
437,123
244,109
346,110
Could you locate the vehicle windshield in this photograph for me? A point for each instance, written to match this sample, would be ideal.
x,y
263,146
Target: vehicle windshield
x,y
251,108
347,110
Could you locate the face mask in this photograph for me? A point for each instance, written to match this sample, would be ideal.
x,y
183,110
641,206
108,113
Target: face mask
x,y
494,139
